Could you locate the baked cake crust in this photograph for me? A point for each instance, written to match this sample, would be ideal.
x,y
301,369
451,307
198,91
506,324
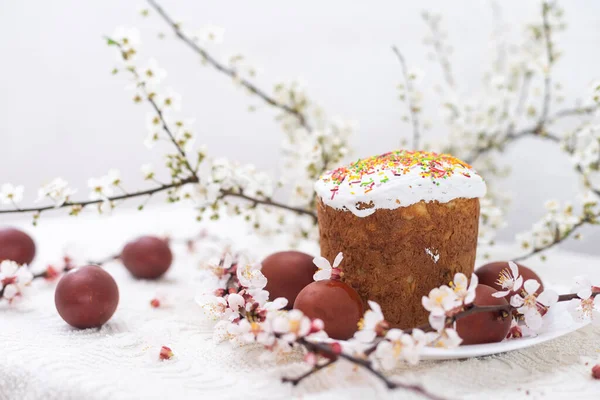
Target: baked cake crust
x,y
395,257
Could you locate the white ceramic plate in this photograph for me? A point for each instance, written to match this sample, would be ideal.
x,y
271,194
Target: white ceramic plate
x,y
558,322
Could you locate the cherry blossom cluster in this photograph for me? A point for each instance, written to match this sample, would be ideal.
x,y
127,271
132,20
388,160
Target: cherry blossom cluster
x,y
14,278
243,312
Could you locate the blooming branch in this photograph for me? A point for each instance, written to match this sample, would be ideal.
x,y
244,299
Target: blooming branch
x,y
413,109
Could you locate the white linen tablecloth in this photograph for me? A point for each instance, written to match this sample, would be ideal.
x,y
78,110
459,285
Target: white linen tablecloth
x,y
41,357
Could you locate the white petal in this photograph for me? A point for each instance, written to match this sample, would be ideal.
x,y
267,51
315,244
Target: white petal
x,y
548,297
533,319
322,274
531,286
321,263
375,307
595,318
338,260
10,291
514,269
437,322
516,300
365,336
474,282
460,279
8,268
235,301
518,283
501,294
24,276
394,334
585,293
277,304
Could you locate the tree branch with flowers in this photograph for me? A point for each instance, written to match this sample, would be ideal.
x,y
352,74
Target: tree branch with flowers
x,y
243,313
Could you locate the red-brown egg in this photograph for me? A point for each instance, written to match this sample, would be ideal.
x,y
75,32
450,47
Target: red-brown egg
x,y
337,304
484,327
147,257
287,273
86,297
16,245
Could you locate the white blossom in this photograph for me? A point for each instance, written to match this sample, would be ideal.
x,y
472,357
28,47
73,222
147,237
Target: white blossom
x,y
586,306
509,279
57,190
13,278
170,100
400,346
292,325
101,188
465,290
529,303
210,33
129,37
152,74
326,270
448,339
250,276
147,171
252,332
10,194
370,323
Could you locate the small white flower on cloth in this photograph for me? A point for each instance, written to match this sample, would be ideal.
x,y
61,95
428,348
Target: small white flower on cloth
x,y
57,190
510,280
586,306
530,304
326,270
372,324
13,279
10,194
292,325
249,332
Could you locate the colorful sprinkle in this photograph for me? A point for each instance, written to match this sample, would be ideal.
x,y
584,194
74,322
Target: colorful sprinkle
x,y
365,174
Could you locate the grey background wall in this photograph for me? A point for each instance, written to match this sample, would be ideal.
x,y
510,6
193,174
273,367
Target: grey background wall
x,y
63,114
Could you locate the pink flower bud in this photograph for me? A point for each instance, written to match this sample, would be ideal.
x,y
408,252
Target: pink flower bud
x,y
155,303
316,325
165,353
336,347
51,273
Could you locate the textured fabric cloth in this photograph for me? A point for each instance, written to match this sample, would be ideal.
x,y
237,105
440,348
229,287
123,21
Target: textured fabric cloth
x,y
41,357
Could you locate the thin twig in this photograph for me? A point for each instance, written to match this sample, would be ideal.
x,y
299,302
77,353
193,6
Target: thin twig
x,y
412,110
438,45
324,348
82,204
301,211
302,119
550,60
295,381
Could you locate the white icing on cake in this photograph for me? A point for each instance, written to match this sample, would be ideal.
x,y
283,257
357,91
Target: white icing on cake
x,y
398,179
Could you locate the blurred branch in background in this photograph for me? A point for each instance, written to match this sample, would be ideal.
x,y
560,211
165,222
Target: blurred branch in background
x,y
480,129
